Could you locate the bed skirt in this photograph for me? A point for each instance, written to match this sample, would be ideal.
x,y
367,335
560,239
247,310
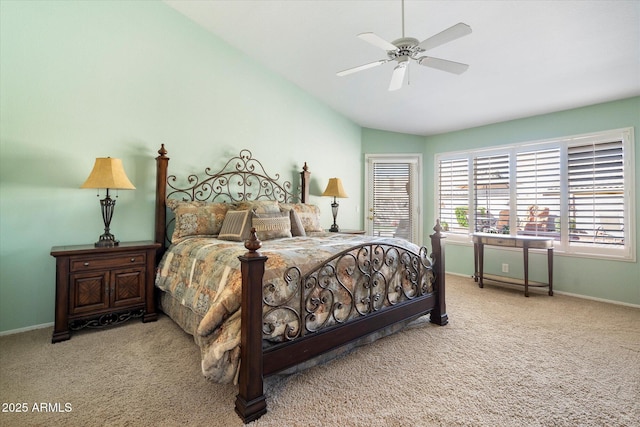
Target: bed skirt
x,y
189,321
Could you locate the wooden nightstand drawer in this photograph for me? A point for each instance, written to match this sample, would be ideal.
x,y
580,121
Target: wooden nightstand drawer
x,y
91,263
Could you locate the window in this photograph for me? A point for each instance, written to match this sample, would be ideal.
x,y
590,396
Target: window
x,y
454,195
491,191
575,189
596,191
538,192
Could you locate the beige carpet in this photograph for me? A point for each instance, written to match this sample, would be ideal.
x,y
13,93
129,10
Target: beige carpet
x,y
503,360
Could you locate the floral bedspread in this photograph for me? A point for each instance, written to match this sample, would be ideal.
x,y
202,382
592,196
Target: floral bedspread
x,y
202,284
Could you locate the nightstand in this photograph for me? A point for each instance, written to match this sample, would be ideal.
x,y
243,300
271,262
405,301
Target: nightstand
x,y
97,287
351,231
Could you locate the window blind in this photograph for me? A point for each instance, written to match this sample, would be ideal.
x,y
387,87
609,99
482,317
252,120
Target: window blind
x,y
392,200
538,192
454,195
596,196
491,190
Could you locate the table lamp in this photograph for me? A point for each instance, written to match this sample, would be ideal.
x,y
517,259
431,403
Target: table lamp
x,y
335,189
109,174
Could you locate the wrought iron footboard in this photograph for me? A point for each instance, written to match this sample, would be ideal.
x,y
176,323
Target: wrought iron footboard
x,y
353,284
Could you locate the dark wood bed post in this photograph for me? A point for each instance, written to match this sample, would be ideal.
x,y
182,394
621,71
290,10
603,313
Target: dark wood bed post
x,y
162,164
439,312
250,401
304,183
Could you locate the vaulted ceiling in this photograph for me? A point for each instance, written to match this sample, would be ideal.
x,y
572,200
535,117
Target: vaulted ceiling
x,y
526,57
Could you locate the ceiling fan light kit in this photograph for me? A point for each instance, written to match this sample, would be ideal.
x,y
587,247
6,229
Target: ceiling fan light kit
x,y
405,49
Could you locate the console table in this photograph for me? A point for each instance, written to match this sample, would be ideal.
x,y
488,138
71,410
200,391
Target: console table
x,y
523,242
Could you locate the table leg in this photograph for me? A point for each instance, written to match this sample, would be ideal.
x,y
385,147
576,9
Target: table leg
x,y
525,251
550,267
480,264
475,262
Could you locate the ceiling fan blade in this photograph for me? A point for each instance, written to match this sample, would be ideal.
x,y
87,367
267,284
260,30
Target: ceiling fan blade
x,y
397,78
451,33
443,64
377,41
361,67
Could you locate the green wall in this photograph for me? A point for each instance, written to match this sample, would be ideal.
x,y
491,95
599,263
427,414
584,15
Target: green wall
x,y
610,280
87,79
378,142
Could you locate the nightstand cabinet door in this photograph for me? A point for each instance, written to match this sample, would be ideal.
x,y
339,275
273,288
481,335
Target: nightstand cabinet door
x,y
89,292
127,287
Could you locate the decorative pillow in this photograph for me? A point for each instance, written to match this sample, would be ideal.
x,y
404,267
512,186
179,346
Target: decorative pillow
x,y
236,226
309,215
297,228
271,225
258,206
193,218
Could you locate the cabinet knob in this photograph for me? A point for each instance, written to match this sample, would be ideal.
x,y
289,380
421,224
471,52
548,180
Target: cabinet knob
x,y
86,264
133,260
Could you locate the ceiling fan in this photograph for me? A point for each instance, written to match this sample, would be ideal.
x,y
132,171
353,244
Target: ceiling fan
x,y
405,49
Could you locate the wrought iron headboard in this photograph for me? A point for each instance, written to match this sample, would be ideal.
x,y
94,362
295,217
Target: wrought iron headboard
x,y
242,178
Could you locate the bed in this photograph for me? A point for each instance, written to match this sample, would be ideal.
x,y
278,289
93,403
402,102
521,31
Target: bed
x,y
246,268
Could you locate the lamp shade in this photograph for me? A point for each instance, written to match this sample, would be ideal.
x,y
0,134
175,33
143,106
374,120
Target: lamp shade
x,y
108,173
335,188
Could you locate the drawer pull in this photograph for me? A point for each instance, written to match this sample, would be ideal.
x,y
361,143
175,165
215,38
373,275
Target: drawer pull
x,y
86,264
133,260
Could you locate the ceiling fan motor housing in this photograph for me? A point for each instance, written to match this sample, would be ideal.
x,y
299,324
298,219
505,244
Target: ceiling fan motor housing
x,y
406,46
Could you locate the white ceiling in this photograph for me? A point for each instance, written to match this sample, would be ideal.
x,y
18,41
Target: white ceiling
x,y
526,57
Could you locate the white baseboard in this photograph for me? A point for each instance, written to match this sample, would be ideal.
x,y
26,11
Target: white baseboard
x,y
28,328
555,291
608,301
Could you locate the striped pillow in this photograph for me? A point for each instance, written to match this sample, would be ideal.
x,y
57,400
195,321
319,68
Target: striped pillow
x,y
297,227
272,225
236,226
